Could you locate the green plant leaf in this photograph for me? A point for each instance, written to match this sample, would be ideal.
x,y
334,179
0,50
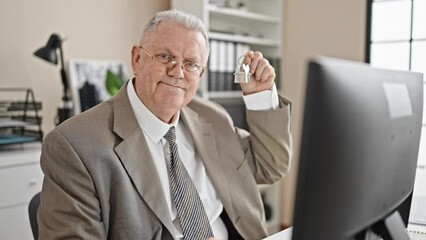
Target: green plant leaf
x,y
113,82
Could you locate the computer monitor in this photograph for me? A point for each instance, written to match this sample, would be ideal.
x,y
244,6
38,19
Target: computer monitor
x,y
359,148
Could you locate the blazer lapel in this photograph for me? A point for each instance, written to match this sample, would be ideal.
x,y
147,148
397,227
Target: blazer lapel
x,y
206,147
136,158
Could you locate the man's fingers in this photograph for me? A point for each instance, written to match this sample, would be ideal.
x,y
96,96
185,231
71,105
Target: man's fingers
x,y
248,57
257,56
264,70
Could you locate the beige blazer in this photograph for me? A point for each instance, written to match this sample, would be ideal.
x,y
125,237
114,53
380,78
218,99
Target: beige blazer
x,y
101,183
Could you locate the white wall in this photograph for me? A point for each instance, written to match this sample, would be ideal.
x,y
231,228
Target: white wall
x,y
328,27
95,29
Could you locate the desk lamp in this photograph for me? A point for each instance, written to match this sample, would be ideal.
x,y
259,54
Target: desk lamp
x,y
48,53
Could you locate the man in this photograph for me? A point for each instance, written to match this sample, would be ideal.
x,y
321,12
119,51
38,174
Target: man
x,y
110,172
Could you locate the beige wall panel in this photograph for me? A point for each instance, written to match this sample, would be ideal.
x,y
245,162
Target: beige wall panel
x,y
95,29
328,27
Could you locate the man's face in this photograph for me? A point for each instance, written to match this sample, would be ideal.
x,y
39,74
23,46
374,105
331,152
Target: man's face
x,y
164,89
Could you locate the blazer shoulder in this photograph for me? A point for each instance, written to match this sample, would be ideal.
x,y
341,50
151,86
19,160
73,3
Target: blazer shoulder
x,y
89,123
209,109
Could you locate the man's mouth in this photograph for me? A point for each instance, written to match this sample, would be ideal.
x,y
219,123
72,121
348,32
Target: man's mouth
x,y
172,85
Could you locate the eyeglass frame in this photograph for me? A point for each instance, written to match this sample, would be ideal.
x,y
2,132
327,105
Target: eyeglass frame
x,y
174,62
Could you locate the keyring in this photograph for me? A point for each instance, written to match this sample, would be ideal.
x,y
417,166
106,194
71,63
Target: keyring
x,y
239,59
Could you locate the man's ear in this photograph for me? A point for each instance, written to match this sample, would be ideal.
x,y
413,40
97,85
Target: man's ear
x,y
136,57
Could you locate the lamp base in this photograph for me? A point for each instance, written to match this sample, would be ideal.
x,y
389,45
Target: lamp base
x,y
63,114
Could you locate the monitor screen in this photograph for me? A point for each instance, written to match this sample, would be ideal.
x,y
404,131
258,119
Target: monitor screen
x,y
359,149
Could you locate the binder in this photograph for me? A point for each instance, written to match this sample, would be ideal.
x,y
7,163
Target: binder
x,y
276,64
213,65
220,81
230,66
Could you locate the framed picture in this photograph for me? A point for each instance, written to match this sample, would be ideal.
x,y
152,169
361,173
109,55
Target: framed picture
x,y
94,81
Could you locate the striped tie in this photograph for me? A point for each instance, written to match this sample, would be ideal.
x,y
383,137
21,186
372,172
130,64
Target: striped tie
x,y
191,213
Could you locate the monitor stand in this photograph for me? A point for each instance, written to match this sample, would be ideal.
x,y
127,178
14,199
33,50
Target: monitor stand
x,y
392,228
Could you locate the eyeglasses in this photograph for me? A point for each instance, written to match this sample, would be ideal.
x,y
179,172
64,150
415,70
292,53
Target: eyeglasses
x,y
171,62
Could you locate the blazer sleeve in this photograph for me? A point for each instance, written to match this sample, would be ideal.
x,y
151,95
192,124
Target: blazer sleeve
x,y
69,207
268,146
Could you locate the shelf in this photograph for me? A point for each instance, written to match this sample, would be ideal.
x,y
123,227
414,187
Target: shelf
x,y
232,12
5,123
20,121
14,139
225,94
244,39
7,106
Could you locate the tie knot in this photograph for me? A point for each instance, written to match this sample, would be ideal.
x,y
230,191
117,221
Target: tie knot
x,y
171,135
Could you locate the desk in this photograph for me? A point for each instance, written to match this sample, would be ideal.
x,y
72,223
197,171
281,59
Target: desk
x,y
283,235
20,179
415,232
418,205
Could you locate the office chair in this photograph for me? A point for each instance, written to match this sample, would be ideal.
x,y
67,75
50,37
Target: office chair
x,y
32,212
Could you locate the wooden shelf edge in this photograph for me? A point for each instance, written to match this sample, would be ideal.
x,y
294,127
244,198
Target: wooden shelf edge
x,y
242,14
243,39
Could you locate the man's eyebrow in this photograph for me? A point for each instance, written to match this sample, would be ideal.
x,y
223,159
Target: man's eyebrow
x,y
187,59
192,59
164,50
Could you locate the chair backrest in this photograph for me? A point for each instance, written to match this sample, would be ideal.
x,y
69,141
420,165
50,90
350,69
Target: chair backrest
x,y
32,212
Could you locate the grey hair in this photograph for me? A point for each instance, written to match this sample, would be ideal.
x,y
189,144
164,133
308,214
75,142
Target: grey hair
x,y
184,19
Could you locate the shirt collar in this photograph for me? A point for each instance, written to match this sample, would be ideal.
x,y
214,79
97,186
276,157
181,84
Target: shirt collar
x,y
148,122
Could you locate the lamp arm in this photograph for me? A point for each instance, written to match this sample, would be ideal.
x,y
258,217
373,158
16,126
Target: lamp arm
x,y
63,74
65,84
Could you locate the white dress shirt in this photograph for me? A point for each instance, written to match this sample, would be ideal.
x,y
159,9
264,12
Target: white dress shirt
x,y
154,130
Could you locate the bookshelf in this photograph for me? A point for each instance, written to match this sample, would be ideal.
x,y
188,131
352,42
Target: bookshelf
x,y
250,24
257,25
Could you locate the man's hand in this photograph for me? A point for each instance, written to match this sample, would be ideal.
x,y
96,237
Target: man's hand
x,y
263,74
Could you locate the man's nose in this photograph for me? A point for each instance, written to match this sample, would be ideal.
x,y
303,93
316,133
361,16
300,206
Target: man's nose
x,y
176,70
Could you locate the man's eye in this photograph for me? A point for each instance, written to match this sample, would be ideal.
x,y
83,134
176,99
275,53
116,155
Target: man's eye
x,y
191,64
164,57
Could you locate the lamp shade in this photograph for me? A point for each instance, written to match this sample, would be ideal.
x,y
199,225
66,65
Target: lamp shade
x,y
48,52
